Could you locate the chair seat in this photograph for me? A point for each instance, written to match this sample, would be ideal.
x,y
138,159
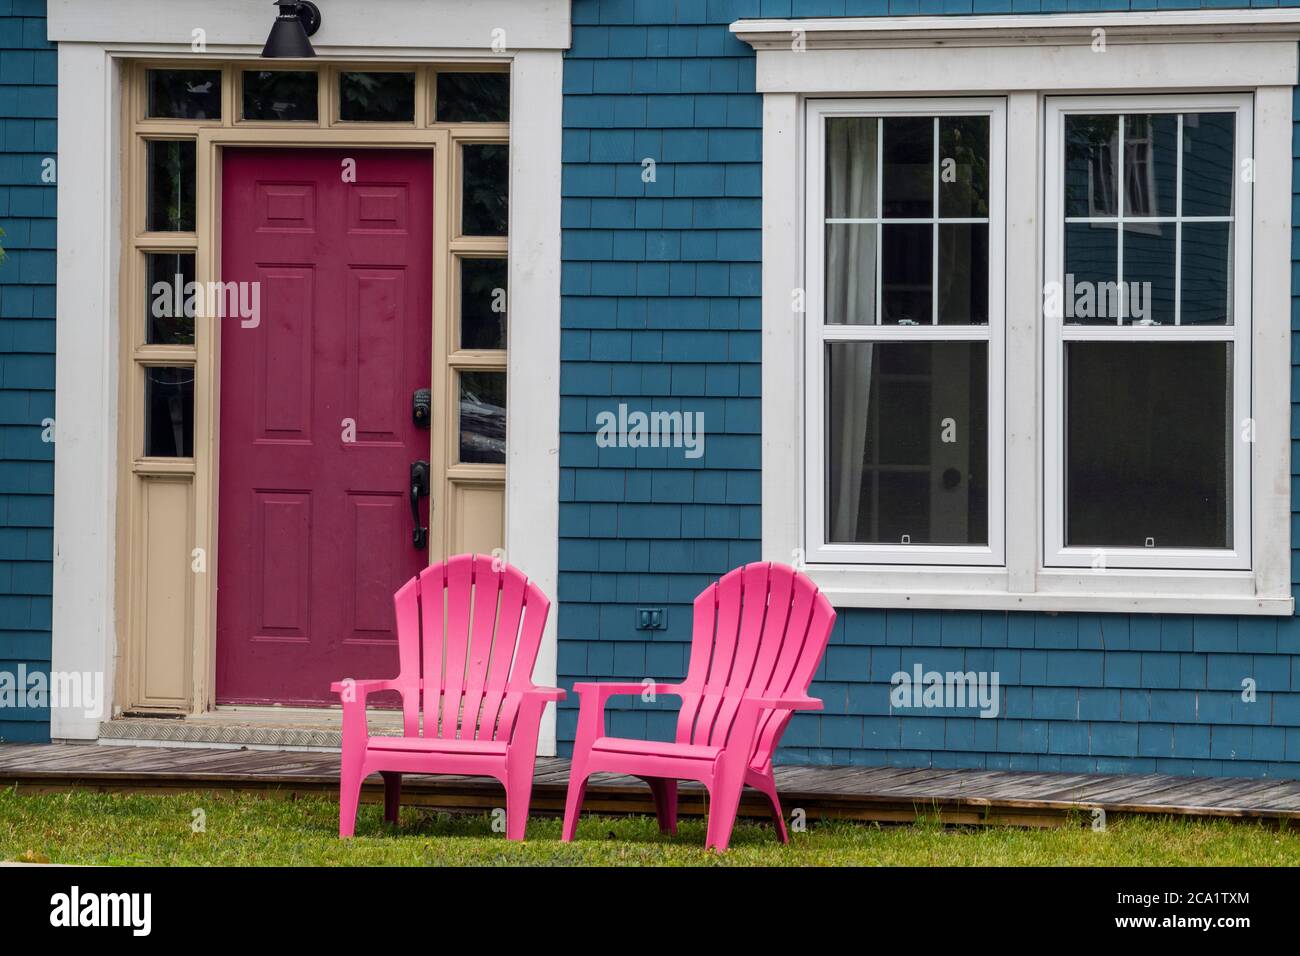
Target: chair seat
x,y
439,745
656,748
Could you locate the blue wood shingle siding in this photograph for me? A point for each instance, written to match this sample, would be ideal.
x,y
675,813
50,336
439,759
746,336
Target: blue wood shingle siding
x,y
28,73
661,312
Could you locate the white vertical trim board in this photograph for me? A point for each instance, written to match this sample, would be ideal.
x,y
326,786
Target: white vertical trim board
x,y
1248,57
533,382
86,370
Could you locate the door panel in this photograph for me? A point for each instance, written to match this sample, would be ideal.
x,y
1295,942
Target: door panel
x,y
316,435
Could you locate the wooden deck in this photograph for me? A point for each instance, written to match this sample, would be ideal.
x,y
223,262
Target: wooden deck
x,y
859,793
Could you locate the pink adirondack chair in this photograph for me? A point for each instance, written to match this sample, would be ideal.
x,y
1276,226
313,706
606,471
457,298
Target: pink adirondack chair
x,y
467,638
759,635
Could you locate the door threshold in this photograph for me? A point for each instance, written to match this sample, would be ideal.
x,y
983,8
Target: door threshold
x,y
252,728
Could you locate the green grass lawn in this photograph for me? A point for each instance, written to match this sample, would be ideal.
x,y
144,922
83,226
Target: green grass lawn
x,y
244,830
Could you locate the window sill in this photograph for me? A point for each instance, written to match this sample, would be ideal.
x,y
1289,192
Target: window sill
x,y
1050,590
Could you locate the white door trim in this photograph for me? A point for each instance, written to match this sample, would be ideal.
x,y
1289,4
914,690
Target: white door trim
x,y
87,347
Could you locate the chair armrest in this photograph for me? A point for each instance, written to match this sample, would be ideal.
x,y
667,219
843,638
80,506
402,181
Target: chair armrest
x,y
364,688
601,693
546,693
786,703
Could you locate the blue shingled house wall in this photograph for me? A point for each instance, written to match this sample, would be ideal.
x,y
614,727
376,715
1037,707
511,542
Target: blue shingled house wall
x,y
28,73
661,311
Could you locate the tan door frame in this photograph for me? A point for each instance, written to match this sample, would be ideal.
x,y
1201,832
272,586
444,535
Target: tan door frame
x,y
207,401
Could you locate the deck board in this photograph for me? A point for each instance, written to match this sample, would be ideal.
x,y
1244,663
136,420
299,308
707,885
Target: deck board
x,y
897,794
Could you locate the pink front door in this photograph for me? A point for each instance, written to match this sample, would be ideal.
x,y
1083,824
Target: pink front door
x,y
317,437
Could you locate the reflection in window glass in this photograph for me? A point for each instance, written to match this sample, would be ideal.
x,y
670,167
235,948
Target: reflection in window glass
x,y
473,97
1091,158
485,168
281,95
169,310
964,167
184,94
907,440
1139,260
377,97
483,417
483,303
171,179
1148,459
168,412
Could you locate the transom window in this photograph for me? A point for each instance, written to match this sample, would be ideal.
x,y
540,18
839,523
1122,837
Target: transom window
x,y
905,331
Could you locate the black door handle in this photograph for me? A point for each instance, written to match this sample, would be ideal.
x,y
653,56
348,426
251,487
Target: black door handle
x,y
419,489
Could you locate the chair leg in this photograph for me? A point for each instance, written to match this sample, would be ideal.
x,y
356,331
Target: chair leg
x,y
519,792
767,786
573,805
392,795
350,780
665,794
724,803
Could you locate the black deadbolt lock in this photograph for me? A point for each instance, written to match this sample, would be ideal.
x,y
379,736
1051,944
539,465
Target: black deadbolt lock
x,y
422,407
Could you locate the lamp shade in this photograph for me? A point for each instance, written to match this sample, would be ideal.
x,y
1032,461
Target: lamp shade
x,y
288,39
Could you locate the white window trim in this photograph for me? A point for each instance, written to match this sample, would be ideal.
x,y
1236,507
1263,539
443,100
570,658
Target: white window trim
x,y
95,39
1025,59
818,549
1055,553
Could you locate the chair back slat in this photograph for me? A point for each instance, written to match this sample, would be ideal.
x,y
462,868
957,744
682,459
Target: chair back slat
x,y
759,631
406,604
471,628
460,608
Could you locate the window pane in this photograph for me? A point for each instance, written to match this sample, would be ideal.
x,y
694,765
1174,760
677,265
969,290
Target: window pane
x,y
280,95
1149,273
1148,444
1207,164
169,315
963,274
473,97
184,94
169,412
1150,164
909,167
1091,179
907,266
171,183
483,417
907,440
1090,295
483,303
851,167
851,273
964,167
1207,273
485,201
377,97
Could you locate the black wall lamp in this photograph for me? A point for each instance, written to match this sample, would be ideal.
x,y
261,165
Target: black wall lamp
x,y
297,20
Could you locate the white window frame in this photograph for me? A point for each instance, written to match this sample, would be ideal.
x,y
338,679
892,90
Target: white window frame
x,y
1026,59
1057,333
818,334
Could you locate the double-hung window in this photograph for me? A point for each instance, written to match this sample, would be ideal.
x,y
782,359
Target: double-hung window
x,y
1028,346
904,329
1147,321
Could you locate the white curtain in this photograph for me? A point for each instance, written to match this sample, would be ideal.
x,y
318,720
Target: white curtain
x,y
850,299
